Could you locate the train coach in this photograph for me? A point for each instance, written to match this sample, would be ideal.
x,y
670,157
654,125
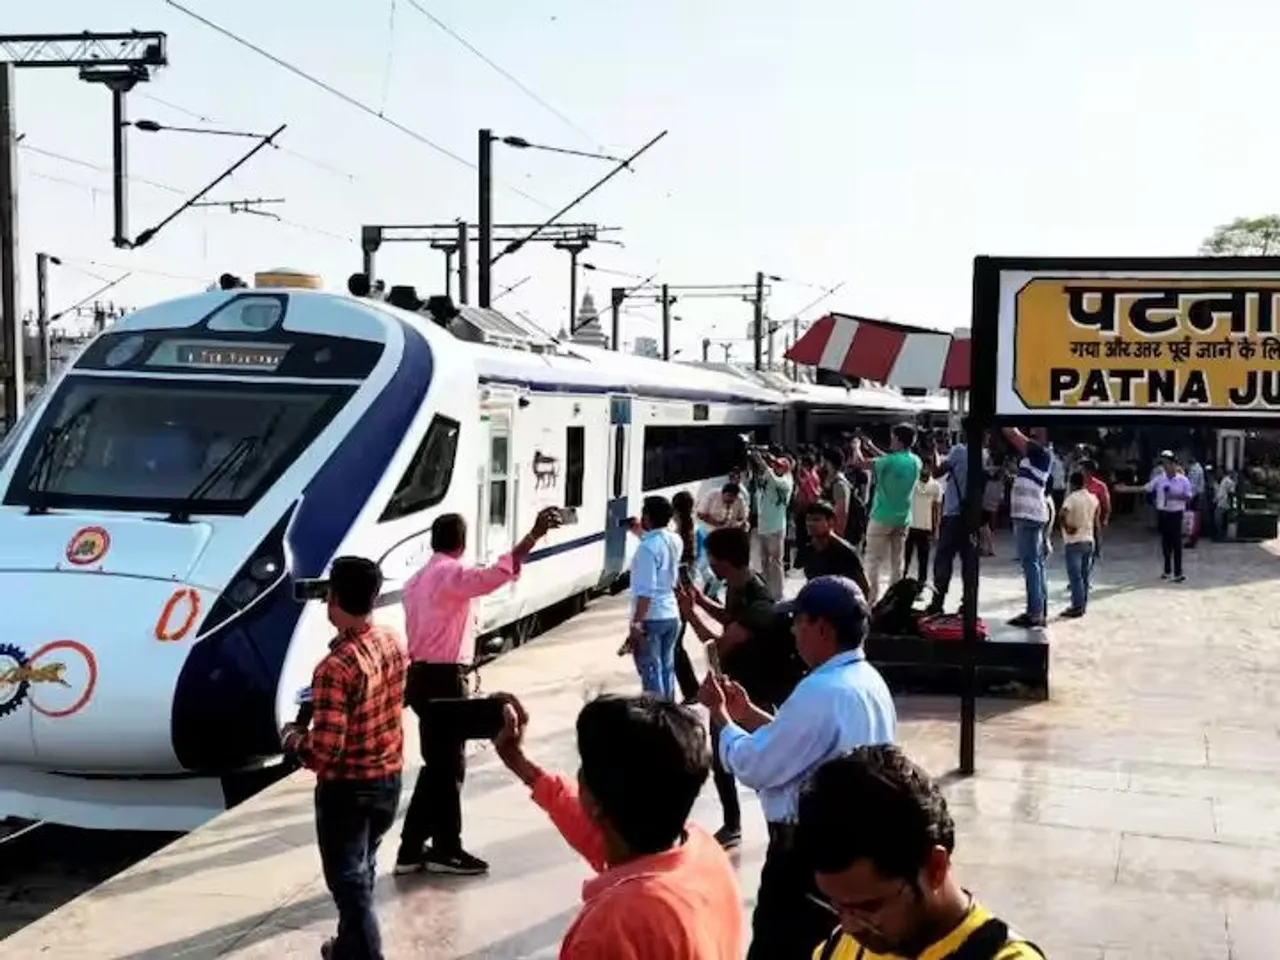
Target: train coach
x,y
160,498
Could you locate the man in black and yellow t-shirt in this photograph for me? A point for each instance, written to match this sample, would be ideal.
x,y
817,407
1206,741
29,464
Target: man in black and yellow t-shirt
x,y
876,830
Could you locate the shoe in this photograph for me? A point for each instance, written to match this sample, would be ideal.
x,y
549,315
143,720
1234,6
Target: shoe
x,y
729,837
407,862
1164,576
1036,623
1021,620
1179,578
459,864
1072,613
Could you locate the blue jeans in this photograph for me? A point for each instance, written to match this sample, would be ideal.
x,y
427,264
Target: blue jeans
x,y
351,818
1028,538
656,658
1080,558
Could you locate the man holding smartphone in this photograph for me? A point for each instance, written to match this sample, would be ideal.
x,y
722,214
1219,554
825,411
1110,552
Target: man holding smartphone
x,y
353,738
754,647
440,619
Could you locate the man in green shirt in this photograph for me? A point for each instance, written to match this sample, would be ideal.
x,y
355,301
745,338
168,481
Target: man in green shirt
x,y
895,475
772,491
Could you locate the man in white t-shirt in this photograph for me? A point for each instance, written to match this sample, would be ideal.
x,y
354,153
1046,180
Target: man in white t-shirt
x,y
926,515
1077,518
725,507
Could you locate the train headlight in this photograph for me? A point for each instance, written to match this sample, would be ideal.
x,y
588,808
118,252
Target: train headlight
x,y
259,574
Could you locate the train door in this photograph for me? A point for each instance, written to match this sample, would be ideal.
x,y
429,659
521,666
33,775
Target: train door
x,y
497,496
618,480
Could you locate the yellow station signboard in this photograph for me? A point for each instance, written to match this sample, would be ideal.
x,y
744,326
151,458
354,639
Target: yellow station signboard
x,y
1149,344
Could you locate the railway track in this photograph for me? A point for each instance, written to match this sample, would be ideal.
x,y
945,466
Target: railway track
x,y
43,866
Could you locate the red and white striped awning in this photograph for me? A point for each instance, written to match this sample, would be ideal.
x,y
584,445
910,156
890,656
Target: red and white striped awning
x,y
884,352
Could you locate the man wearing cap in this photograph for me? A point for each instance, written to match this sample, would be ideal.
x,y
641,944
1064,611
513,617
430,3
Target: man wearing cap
x,y
842,703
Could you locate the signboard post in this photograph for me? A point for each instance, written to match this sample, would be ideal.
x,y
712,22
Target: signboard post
x,y
1098,340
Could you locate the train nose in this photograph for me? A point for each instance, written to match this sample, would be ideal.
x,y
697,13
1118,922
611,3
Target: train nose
x,y
88,667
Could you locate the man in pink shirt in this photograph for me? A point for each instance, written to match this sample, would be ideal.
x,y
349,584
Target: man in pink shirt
x,y
440,624
664,889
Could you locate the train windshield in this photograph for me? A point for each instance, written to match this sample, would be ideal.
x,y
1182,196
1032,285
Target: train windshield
x,y
166,444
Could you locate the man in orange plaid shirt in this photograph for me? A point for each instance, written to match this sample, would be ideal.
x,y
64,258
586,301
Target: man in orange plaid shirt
x,y
355,745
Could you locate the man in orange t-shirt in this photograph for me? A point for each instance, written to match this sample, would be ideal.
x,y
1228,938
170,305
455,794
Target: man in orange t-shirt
x,y
664,889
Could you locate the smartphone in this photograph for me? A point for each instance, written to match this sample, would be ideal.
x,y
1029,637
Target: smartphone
x,y
568,515
713,659
310,589
470,718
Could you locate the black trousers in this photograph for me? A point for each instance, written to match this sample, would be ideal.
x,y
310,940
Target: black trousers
x,y
1169,525
726,786
435,811
918,543
789,921
352,816
953,541
686,679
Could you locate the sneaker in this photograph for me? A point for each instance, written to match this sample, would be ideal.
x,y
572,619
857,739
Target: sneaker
x,y
729,837
1164,576
459,864
1180,578
410,863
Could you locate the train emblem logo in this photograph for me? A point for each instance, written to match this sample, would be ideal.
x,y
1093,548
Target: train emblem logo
x,y
546,470
58,679
89,545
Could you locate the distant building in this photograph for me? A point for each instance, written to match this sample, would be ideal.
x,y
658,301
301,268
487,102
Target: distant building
x,y
646,347
589,333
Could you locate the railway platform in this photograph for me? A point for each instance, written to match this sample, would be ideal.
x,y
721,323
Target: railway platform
x,y
1136,814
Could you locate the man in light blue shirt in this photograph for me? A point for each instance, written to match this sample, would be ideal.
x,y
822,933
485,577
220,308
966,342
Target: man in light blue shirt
x,y
843,703
772,490
655,615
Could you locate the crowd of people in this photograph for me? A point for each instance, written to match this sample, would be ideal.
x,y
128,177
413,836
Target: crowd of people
x,y
857,865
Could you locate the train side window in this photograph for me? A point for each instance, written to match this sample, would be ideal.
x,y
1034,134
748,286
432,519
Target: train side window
x,y
499,458
426,481
619,459
682,454
575,446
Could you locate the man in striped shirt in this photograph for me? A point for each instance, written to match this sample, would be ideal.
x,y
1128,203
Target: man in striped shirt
x,y
355,745
1030,514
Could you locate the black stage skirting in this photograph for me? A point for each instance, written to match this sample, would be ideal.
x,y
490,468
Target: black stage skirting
x,y
1010,668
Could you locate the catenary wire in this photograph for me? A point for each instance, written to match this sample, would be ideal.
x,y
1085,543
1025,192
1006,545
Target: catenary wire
x,y
502,71
345,97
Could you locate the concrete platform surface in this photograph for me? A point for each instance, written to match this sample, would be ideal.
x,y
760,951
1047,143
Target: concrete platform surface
x,y
1135,815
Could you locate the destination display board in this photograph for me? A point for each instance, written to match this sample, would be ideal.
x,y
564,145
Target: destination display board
x,y
1125,342
214,355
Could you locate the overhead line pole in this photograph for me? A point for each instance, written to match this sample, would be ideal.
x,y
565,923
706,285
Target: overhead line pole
x,y
11,334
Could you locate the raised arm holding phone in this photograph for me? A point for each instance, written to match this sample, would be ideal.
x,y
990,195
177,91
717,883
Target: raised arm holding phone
x,y
441,625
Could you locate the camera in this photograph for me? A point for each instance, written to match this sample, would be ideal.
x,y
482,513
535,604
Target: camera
x,y
310,589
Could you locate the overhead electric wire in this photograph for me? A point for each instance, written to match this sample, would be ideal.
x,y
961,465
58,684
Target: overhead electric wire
x,y
391,57
344,97
97,293
168,188
88,165
502,71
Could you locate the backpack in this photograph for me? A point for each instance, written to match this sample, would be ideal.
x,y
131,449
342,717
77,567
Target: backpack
x,y
894,613
985,943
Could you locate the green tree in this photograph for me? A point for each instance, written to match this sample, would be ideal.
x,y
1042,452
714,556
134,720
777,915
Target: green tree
x,y
1244,237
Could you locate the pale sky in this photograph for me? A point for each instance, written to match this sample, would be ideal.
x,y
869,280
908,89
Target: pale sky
x,y
881,144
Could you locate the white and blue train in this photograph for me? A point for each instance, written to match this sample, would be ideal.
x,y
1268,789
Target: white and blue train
x,y
160,497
